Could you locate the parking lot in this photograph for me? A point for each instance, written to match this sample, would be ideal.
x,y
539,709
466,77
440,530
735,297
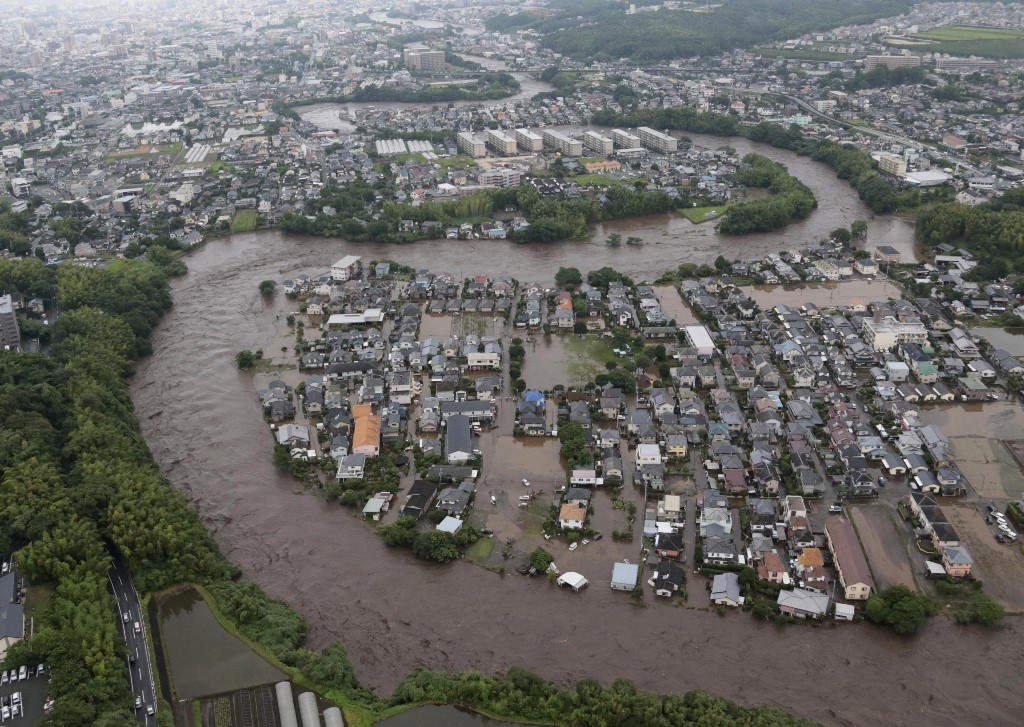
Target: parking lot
x,y
32,695
998,565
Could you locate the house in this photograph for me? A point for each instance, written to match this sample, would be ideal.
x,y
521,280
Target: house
x,y
293,436
773,569
366,435
647,454
577,496
848,556
351,467
669,545
802,603
346,268
725,590
458,442
667,579
12,614
417,502
957,561
585,478
571,516
624,576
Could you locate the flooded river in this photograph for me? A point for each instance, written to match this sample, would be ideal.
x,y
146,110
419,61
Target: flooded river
x,y
203,422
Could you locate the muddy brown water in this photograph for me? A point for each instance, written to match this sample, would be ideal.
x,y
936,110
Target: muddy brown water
x,y
202,420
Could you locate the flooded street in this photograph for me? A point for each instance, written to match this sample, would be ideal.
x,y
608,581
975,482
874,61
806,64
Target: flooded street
x,y
202,419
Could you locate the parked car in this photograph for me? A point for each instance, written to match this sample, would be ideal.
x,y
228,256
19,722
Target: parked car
x,y
598,536
572,546
835,507
526,482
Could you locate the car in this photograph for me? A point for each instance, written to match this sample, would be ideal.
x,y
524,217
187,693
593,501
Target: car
x,y
586,542
40,669
572,546
494,500
882,482
126,617
16,698
526,482
621,417
524,498
23,673
1002,538
865,408
4,679
487,531
131,658
5,713
835,507
991,507
149,709
598,536
138,703
5,568
138,627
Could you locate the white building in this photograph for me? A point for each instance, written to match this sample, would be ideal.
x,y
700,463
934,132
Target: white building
x,y
470,145
347,268
599,143
656,140
528,140
562,143
501,142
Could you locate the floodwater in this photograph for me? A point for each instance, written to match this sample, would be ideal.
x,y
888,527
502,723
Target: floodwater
x,y
842,293
1010,340
981,436
204,658
674,306
203,422
442,715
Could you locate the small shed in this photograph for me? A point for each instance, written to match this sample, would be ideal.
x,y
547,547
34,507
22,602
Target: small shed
x,y
624,576
374,507
450,525
574,580
844,612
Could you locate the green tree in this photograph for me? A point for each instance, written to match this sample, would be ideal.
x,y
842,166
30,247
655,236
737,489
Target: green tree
x,y
569,277
267,288
900,608
245,359
859,229
435,545
540,559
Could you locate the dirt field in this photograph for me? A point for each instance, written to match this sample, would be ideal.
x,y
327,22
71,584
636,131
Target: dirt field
x,y
999,566
886,542
990,467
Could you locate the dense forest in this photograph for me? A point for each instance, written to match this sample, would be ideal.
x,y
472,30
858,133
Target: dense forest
x,y
608,33
789,199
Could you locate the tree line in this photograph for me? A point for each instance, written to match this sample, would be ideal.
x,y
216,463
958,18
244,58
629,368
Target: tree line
x,y
550,218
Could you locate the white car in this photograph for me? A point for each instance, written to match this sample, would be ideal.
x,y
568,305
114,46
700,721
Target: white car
x,y
526,482
586,542
572,546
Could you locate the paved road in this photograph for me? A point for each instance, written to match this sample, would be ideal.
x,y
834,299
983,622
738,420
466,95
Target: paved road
x,y
140,674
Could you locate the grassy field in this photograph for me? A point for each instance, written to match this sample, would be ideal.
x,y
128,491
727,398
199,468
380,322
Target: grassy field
x,y
598,179
696,215
802,55
592,352
143,151
245,221
449,163
965,41
480,551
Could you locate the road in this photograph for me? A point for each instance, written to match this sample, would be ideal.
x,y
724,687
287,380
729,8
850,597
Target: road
x,y
140,674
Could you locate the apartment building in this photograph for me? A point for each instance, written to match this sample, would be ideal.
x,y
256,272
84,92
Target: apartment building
x,y
625,140
562,143
656,140
501,142
598,143
528,140
470,145
424,59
